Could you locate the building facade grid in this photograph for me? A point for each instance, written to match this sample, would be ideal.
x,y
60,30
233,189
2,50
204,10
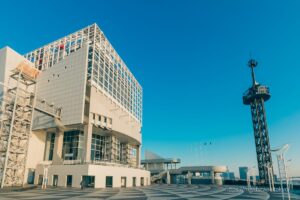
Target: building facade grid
x,y
105,67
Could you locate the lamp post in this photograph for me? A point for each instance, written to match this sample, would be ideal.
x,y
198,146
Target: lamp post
x,y
282,168
45,177
290,178
271,177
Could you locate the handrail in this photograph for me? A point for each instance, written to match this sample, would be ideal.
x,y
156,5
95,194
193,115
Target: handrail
x,y
93,162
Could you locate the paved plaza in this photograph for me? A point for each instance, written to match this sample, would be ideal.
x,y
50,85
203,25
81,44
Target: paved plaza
x,y
156,192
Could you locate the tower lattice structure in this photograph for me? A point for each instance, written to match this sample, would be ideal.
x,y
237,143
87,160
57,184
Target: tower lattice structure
x,y
256,96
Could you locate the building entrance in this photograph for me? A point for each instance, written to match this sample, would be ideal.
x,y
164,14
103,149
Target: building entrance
x,y
40,181
109,181
123,182
133,181
30,178
88,181
142,181
69,180
55,180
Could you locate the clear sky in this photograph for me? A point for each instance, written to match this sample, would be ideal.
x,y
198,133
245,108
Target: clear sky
x,y
190,57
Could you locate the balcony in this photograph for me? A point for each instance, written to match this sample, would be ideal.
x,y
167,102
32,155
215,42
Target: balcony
x,y
258,92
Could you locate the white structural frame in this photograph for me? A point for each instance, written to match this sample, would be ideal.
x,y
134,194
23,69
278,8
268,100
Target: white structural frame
x,y
282,168
24,100
10,131
271,178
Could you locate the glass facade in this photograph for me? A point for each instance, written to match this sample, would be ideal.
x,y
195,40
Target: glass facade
x,y
50,140
98,147
73,145
106,69
110,149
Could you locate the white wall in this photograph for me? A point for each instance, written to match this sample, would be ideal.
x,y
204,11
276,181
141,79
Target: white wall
x,y
2,63
64,83
36,150
100,173
2,68
121,122
9,59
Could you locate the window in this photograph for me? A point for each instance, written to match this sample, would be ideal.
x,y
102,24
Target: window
x,y
116,149
72,145
50,140
133,152
98,147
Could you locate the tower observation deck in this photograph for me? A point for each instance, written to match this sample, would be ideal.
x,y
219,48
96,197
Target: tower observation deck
x,y
256,96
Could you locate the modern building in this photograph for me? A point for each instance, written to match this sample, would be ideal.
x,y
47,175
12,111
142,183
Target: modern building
x,y
156,164
228,175
85,119
165,170
243,173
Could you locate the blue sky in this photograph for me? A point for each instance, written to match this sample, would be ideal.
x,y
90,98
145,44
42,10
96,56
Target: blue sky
x,y
190,57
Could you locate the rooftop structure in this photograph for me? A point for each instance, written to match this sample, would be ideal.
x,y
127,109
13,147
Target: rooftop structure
x,y
156,163
165,170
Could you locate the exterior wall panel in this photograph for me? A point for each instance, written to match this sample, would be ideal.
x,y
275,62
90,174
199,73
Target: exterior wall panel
x,y
63,84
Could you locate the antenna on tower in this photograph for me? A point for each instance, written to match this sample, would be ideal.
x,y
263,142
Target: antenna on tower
x,y
252,64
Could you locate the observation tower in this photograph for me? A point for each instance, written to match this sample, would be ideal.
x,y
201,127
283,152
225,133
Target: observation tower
x,y
256,96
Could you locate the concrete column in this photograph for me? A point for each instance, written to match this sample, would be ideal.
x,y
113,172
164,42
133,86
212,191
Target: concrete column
x,y
212,173
88,131
189,177
58,145
168,178
138,156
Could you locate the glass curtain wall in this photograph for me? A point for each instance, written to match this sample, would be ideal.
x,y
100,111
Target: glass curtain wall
x,y
73,145
109,148
98,147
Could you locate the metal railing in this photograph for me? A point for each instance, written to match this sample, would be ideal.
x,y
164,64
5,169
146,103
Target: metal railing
x,y
93,162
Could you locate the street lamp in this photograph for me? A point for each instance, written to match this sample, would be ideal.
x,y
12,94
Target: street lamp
x,y
270,177
282,168
45,177
290,178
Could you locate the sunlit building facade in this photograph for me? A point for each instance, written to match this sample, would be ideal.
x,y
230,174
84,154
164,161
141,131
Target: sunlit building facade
x,y
97,141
